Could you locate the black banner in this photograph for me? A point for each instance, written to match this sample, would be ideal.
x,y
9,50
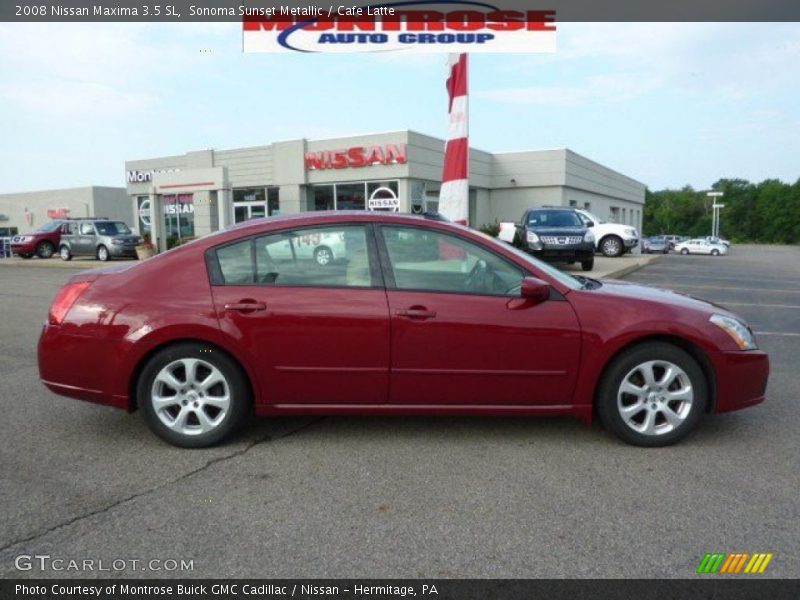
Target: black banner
x,y
705,588
235,10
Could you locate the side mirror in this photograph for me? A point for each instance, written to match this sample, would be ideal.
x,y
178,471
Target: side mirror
x,y
590,223
535,290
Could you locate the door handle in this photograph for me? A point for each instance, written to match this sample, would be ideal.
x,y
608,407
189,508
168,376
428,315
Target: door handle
x,y
245,306
415,312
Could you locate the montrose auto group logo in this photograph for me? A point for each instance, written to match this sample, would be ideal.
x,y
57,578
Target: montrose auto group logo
x,y
404,26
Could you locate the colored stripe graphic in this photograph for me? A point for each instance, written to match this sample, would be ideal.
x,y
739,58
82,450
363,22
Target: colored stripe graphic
x,y
722,563
454,193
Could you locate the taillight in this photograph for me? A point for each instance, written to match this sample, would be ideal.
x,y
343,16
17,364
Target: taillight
x,y
64,300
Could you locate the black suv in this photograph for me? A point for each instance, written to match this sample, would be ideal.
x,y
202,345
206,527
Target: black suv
x,y
556,235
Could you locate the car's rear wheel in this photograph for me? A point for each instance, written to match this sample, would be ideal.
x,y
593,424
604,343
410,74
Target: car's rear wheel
x,y
102,253
684,251
587,265
45,250
193,395
323,256
611,246
64,253
25,255
653,394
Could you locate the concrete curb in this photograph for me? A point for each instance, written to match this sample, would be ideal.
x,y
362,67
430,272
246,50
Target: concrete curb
x,y
628,269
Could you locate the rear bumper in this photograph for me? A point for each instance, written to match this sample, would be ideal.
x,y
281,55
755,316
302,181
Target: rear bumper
x,y
80,367
741,379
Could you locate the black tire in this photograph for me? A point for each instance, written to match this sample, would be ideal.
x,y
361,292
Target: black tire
x,y
102,254
714,252
607,394
64,253
587,265
323,256
24,255
612,245
238,390
45,250
684,251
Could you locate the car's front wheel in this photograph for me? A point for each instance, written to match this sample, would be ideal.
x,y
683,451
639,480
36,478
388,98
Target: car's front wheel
x,y
684,251
653,394
193,395
45,250
64,253
715,252
102,254
587,265
612,246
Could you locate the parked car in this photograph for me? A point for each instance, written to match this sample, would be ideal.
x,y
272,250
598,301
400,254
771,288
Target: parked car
x,y
655,245
41,242
415,316
101,238
718,240
323,248
612,239
553,234
699,246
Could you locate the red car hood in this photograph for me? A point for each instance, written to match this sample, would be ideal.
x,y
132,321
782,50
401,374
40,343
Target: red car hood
x,y
636,291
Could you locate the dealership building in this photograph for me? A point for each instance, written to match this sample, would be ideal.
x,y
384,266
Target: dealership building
x,y
26,211
192,194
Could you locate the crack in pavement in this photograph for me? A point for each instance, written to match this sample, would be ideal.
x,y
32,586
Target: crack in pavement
x,y
122,501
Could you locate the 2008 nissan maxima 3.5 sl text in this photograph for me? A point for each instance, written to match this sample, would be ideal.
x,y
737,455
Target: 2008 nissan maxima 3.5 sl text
x,y
410,315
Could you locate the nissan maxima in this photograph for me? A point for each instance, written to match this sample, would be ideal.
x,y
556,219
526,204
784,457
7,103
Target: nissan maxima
x,y
411,315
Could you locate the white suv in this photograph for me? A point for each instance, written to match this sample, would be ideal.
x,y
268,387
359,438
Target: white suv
x,y
612,239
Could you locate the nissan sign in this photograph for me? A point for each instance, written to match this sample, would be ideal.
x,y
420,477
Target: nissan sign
x,y
357,156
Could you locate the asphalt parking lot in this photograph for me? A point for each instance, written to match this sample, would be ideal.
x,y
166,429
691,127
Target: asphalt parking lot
x,y
409,497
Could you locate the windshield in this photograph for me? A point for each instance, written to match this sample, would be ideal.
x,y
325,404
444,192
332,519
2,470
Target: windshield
x,y
48,227
564,278
554,218
592,217
112,228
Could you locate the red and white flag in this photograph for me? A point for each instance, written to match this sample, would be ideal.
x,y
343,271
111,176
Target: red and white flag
x,y
454,194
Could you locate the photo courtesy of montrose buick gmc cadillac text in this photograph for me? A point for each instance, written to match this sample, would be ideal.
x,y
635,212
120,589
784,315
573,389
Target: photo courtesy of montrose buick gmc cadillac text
x,y
408,315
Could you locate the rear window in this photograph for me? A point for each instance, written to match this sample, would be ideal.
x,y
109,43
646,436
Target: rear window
x,y
554,218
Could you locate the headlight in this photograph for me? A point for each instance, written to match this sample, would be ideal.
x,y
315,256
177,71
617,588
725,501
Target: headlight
x,y
589,237
738,331
25,239
117,241
532,238
631,232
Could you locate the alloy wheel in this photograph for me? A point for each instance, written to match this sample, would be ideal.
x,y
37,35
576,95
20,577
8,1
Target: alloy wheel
x,y
655,397
611,247
323,256
191,396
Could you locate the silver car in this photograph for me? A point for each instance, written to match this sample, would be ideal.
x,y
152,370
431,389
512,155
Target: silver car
x,y
101,238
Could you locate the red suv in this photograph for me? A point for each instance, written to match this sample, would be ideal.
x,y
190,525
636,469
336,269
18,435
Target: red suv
x,y
410,315
42,242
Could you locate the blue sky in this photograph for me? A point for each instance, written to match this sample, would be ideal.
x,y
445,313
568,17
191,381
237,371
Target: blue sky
x,y
666,103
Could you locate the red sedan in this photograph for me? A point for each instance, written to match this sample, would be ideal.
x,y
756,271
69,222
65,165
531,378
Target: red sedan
x,y
411,315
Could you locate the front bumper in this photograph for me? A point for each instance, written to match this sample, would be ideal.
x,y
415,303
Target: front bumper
x,y
121,250
630,242
741,379
23,248
564,252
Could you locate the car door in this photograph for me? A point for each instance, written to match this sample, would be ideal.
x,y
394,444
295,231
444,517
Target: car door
x,y
461,333
316,334
85,241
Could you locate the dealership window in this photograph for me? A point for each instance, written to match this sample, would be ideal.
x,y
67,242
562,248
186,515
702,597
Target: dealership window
x,y
587,206
178,218
573,203
255,203
426,260
346,196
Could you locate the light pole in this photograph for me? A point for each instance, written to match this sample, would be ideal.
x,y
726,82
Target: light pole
x,y
715,208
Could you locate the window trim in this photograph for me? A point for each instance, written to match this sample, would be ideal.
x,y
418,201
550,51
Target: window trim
x,y
216,277
391,282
